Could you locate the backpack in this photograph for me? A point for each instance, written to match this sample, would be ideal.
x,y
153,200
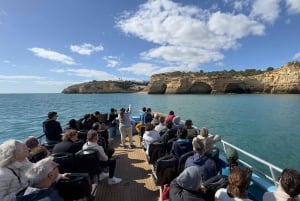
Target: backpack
x,y
210,186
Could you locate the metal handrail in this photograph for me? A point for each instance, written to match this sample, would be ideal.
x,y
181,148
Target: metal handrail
x,y
257,159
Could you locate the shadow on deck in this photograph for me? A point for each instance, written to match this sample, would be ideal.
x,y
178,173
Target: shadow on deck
x,y
133,168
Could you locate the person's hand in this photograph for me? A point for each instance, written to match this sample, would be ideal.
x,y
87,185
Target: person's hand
x,y
65,176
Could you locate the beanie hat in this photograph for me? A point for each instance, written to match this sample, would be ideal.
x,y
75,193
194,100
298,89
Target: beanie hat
x,y
190,179
232,153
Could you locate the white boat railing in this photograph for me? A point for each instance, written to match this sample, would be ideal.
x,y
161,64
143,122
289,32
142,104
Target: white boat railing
x,y
272,168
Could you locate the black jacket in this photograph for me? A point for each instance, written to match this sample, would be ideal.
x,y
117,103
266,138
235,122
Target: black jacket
x,y
67,146
53,130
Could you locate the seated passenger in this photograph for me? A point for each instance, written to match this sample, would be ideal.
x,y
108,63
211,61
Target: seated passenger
x,y
92,139
52,128
112,123
86,123
170,116
232,158
41,176
169,132
192,132
149,136
161,126
207,165
288,188
139,125
13,165
238,183
36,151
208,140
177,123
155,120
69,143
187,186
182,145
73,124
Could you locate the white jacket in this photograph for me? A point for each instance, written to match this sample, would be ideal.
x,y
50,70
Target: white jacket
x,y
9,182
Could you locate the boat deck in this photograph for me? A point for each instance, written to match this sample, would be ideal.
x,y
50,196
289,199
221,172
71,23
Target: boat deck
x,y
133,168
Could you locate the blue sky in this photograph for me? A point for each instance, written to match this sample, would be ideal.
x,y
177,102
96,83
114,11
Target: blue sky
x,y
47,45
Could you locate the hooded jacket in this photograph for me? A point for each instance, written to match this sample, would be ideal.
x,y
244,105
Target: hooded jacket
x,y
207,165
186,186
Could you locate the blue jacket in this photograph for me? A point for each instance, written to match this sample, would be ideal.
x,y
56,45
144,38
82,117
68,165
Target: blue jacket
x,y
207,165
49,194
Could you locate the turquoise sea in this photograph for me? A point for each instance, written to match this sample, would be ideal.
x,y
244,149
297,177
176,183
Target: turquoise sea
x,y
265,125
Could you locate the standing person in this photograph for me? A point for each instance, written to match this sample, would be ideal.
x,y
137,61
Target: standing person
x,y
13,165
237,187
125,126
112,124
68,144
52,128
288,188
92,139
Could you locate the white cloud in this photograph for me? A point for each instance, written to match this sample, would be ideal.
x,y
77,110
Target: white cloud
x,y
52,55
234,26
187,36
6,61
112,61
240,5
293,6
266,10
17,78
86,48
88,73
141,69
296,56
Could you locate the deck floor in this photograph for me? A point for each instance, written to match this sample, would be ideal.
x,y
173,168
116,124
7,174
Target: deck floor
x,y
135,171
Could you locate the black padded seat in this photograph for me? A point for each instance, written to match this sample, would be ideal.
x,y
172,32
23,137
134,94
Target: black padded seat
x,y
182,160
156,150
165,170
65,161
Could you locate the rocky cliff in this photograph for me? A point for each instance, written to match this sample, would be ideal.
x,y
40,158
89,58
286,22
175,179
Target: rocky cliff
x,y
283,80
105,87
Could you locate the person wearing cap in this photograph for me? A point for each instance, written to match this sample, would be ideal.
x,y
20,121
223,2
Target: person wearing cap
x,y
206,164
92,139
187,186
52,128
232,159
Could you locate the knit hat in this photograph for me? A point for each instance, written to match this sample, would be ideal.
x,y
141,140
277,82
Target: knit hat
x,y
232,153
190,179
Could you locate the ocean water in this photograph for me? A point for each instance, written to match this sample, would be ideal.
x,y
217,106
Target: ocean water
x,y
265,125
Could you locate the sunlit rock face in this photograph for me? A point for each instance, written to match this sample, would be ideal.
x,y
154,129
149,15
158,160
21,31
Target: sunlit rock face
x,y
285,80
105,87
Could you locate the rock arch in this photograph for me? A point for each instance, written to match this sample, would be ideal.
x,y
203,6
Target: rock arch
x,y
234,88
200,88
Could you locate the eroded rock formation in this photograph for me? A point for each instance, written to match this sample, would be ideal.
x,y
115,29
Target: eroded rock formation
x,y
282,80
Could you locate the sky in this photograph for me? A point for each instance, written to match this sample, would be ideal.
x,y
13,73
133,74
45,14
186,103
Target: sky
x,y
48,45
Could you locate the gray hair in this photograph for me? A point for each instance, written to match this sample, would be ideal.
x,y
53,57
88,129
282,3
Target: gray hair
x,y
39,171
8,150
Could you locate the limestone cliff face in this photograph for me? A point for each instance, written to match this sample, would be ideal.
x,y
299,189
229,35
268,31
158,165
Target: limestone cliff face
x,y
105,87
282,80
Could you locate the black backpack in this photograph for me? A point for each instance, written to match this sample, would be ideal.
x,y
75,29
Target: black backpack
x,y
213,184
